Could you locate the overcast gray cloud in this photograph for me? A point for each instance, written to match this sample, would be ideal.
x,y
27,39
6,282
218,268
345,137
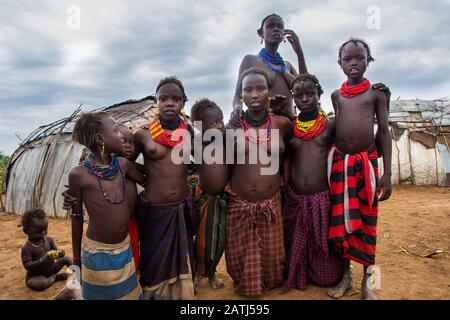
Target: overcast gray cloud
x,y
123,48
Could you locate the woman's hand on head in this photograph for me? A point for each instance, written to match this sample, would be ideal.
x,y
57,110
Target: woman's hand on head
x,y
293,39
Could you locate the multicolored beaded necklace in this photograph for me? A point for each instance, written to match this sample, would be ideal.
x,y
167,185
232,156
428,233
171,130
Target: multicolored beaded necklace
x,y
270,59
263,136
107,172
350,91
104,171
160,135
307,130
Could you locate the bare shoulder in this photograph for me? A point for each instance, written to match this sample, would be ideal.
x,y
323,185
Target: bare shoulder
x,y
140,133
281,122
379,95
335,94
49,239
26,247
124,163
248,61
76,172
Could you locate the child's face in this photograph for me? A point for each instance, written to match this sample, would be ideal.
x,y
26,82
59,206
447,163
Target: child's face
x,y
273,30
213,119
128,143
255,91
354,60
111,136
305,96
37,229
170,101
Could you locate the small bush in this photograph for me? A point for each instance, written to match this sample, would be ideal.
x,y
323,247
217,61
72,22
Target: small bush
x,y
4,160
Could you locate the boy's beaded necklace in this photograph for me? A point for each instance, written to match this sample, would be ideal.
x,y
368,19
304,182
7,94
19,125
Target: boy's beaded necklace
x,y
349,91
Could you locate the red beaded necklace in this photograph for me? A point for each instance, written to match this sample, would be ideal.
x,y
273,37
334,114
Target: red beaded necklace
x,y
263,136
160,135
316,128
350,91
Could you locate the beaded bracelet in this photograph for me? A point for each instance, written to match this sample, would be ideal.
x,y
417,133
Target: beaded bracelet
x,y
75,214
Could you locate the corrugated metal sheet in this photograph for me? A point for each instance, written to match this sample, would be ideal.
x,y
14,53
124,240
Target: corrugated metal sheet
x,y
444,153
40,167
414,163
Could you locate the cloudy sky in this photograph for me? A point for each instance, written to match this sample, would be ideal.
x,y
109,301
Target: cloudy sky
x,y
57,54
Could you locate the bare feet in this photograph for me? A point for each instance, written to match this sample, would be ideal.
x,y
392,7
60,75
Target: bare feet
x,y
284,290
61,276
366,287
68,294
197,281
343,286
215,282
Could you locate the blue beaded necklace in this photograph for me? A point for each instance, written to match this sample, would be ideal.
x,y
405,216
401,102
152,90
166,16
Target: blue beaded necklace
x,y
270,59
106,172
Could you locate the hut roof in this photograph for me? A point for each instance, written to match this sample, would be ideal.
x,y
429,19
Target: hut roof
x,y
40,166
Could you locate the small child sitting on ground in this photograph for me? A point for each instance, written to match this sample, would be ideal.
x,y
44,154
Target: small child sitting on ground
x,y
40,256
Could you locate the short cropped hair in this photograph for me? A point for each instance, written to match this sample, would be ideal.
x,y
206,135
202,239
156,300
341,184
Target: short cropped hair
x,y
87,126
173,80
307,76
30,214
260,30
199,107
355,41
254,70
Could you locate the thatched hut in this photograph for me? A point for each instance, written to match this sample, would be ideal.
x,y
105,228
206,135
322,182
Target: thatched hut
x,y
39,168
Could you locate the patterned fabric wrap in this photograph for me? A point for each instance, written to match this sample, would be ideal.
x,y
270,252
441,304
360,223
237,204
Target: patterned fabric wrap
x,y
108,271
255,249
354,203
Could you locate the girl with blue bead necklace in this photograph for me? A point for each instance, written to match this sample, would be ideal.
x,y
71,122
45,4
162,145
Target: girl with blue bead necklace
x,y
272,32
105,255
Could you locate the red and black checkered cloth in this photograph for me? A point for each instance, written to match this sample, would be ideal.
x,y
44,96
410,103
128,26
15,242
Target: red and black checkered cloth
x,y
254,251
354,203
305,220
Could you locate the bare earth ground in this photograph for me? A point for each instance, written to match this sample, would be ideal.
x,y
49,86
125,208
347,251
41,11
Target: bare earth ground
x,y
412,224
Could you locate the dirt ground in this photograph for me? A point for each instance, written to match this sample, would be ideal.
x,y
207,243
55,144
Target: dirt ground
x,y
412,224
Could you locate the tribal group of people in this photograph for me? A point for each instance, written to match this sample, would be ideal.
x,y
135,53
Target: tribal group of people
x,y
302,223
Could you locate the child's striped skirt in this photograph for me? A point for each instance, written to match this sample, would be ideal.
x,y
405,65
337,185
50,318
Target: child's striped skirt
x,y
108,271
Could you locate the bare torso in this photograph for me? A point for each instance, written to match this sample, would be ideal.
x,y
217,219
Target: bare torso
x,y
36,253
247,180
354,121
166,182
309,162
108,223
279,83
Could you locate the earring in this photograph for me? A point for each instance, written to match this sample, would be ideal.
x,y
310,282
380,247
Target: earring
x,y
242,101
103,150
261,40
